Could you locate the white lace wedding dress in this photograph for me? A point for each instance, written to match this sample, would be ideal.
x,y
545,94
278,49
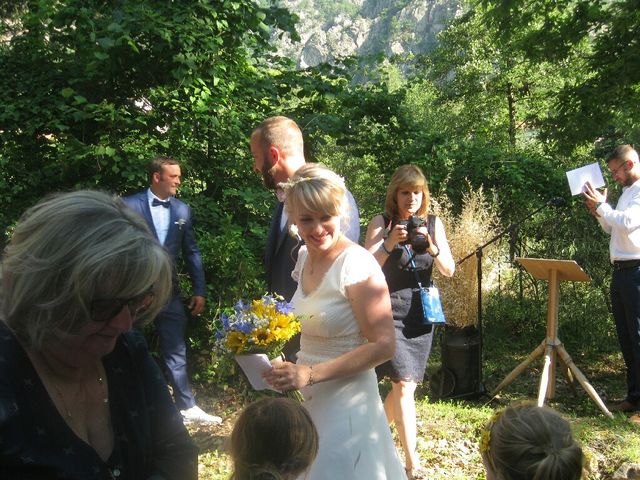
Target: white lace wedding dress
x,y
355,440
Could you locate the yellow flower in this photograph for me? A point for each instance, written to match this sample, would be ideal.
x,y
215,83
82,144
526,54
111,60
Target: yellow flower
x,y
236,341
485,438
263,325
262,336
261,310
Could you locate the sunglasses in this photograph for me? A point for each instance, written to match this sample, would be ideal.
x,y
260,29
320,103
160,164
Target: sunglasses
x,y
103,310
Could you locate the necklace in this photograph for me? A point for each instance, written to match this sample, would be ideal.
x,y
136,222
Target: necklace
x,y
105,394
77,398
67,411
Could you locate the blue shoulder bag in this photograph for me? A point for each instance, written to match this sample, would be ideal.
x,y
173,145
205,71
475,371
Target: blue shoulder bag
x,y
432,313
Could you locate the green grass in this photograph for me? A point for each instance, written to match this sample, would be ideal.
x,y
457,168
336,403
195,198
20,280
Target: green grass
x,y
448,430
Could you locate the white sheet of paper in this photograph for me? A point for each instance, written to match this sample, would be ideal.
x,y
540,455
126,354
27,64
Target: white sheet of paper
x,y
254,365
589,173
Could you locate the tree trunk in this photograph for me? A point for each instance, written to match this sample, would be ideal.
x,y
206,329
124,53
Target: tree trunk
x,y
511,100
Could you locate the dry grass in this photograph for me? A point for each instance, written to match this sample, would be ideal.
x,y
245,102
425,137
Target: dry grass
x,y
476,224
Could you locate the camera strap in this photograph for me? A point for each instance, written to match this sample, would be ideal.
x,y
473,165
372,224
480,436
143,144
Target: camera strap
x,y
414,268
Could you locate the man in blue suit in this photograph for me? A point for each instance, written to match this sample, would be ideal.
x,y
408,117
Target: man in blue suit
x,y
170,220
278,152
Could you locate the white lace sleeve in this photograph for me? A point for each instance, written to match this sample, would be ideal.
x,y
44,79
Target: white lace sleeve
x,y
297,270
359,265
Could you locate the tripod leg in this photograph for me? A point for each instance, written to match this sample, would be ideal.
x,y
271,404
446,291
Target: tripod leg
x,y
583,381
567,373
546,373
520,368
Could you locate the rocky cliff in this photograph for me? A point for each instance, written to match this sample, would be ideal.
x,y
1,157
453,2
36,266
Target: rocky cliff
x,y
332,29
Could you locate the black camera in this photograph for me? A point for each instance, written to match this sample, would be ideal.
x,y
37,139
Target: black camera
x,y
418,241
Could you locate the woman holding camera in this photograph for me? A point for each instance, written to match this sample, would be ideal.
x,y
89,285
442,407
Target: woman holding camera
x,y
405,232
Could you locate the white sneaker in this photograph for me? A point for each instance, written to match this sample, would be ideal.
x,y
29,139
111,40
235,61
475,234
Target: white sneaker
x,y
196,414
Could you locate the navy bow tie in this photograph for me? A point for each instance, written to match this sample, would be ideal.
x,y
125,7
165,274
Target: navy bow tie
x,y
157,202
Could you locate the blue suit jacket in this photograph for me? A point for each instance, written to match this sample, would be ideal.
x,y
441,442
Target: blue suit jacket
x,y
180,238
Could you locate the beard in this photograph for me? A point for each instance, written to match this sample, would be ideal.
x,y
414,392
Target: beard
x,y
268,177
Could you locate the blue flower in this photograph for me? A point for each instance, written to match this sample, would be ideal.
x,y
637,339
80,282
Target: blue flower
x,y
240,306
268,300
224,318
244,326
284,307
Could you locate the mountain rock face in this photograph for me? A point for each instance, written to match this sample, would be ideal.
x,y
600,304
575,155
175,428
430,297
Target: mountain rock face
x,y
331,29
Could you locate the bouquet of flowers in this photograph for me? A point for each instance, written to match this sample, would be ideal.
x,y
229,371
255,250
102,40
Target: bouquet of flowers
x,y
256,332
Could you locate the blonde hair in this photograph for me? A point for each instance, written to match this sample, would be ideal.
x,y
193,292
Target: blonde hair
x,y
273,439
527,442
70,248
317,189
406,176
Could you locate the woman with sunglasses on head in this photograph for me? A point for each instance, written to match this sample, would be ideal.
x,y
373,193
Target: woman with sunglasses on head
x,y
80,396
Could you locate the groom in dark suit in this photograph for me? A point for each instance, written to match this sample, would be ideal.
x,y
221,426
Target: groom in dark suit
x,y
277,148
170,220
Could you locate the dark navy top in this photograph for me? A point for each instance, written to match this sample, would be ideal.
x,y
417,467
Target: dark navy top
x,y
413,338
403,284
150,439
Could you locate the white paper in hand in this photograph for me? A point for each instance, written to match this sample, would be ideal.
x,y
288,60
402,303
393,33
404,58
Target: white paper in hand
x,y
254,365
589,173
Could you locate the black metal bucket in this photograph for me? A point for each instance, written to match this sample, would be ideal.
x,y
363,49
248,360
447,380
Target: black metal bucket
x,y
459,375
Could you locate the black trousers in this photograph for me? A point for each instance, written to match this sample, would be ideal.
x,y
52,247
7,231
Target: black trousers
x,y
625,301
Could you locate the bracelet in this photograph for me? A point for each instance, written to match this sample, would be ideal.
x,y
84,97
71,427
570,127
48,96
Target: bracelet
x,y
434,256
310,382
384,249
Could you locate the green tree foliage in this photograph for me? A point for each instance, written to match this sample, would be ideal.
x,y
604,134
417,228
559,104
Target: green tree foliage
x,y
488,87
599,39
92,90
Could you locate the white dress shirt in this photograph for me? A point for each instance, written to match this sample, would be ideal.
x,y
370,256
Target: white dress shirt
x,y
623,224
160,216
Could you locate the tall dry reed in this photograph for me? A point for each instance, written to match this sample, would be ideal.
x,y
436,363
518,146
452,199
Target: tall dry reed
x,y
472,227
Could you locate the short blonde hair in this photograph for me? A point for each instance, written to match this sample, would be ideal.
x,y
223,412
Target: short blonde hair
x,y
67,250
316,188
274,438
406,176
527,442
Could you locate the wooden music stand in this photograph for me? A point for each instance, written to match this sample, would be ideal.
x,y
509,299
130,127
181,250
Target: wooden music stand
x,y
554,271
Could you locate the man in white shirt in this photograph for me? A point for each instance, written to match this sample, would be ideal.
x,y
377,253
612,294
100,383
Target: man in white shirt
x,y
170,220
623,224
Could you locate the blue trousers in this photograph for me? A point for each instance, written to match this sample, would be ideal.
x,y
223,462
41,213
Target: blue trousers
x,y
170,325
625,302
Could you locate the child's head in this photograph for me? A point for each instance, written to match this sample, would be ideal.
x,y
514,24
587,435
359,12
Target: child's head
x,y
527,442
274,438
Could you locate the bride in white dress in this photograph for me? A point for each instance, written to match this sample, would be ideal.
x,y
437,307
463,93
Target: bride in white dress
x,y
347,329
